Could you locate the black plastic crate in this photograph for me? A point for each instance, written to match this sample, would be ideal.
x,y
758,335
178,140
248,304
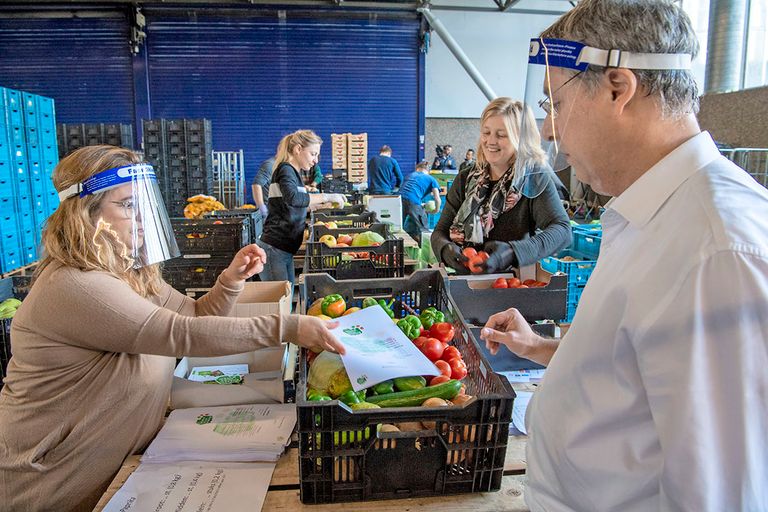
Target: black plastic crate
x,y
315,232
355,209
364,262
344,457
193,275
17,287
222,237
154,126
335,186
94,130
354,220
251,215
477,300
175,126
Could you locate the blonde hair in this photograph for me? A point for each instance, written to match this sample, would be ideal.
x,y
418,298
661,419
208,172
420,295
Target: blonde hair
x,y
288,143
514,114
76,236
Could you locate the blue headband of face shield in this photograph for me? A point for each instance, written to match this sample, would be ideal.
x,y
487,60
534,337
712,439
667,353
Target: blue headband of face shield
x,y
109,179
562,53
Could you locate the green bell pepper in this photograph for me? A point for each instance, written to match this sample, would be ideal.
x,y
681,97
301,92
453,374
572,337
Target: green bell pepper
x,y
314,395
411,326
431,316
370,301
350,397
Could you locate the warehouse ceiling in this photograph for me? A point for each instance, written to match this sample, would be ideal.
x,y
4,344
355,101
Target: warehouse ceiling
x,y
506,6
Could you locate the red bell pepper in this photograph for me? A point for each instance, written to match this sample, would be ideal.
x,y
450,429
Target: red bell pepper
x,y
443,331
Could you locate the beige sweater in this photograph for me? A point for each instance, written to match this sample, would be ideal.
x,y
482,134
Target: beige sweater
x,y
91,374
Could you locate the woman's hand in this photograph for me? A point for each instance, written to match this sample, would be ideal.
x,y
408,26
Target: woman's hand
x,y
248,262
313,333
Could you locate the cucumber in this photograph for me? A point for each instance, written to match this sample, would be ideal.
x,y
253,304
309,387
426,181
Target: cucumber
x,y
446,390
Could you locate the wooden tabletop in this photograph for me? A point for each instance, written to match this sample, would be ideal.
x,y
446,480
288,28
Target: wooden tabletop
x,y
283,491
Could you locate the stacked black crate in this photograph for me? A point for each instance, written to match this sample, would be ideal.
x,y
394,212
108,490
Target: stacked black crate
x,y
74,136
180,150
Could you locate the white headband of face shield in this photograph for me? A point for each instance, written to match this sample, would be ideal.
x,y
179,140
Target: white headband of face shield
x,y
577,56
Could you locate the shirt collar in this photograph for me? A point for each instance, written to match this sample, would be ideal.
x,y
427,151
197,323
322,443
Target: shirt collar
x,y
640,202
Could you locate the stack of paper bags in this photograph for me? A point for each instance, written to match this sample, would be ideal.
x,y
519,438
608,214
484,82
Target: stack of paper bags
x,y
236,433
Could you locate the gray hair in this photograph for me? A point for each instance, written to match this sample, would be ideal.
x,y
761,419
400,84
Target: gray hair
x,y
642,26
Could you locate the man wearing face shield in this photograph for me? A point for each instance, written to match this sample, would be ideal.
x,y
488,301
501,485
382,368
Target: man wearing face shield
x,y
655,399
94,342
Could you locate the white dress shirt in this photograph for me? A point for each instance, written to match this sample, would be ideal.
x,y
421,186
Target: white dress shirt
x,y
657,398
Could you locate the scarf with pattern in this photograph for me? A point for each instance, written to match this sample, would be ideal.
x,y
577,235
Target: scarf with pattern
x,y
483,202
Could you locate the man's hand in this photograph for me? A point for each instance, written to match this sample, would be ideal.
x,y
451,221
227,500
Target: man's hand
x,y
501,257
511,329
314,333
248,262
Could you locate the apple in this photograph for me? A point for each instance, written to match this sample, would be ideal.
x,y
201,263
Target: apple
x,y
345,239
328,240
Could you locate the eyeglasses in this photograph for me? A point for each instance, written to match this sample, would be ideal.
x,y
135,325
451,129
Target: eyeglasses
x,y
546,103
127,206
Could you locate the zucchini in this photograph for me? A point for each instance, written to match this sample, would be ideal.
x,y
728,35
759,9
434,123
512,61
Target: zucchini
x,y
414,398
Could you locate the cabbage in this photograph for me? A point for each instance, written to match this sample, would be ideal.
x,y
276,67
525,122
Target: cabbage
x,y
327,374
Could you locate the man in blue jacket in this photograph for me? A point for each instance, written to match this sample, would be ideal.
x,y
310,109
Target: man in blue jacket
x,y
418,187
384,174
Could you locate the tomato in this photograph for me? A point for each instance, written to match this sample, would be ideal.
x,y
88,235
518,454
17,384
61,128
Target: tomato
x,y
469,252
500,283
439,380
443,331
474,264
451,353
420,341
444,368
529,282
433,349
483,255
513,282
458,368
523,286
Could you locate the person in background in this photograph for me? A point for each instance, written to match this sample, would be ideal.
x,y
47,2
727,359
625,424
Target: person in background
x,y
312,177
446,160
95,340
260,185
384,174
419,186
288,202
656,397
484,210
469,161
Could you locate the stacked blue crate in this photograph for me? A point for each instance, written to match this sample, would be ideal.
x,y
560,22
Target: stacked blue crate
x,y
28,154
432,218
581,259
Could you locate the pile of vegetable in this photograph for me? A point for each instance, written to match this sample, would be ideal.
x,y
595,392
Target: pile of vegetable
x,y
430,333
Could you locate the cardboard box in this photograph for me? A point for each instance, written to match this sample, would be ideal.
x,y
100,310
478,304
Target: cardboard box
x,y
265,382
388,209
262,385
264,298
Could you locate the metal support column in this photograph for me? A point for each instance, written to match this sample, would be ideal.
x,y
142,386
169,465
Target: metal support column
x,y
726,45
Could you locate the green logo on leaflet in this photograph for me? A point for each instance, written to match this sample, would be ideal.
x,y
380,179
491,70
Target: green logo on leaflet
x,y
354,330
362,379
204,419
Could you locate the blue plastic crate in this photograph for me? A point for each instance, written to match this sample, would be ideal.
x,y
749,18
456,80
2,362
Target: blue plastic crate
x,y
574,293
578,271
29,253
571,312
12,101
45,107
29,108
51,201
15,135
32,135
432,219
6,171
587,239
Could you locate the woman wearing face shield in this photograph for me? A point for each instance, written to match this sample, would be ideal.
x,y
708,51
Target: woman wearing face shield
x,y
288,202
94,342
485,210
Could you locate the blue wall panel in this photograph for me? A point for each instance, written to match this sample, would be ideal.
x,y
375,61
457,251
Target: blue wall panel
x,y
258,78
84,63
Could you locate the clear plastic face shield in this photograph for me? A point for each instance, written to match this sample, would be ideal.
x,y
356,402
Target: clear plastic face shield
x,y
554,85
134,210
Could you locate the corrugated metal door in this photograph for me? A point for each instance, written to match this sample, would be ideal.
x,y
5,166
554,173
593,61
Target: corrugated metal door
x,y
84,63
258,77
